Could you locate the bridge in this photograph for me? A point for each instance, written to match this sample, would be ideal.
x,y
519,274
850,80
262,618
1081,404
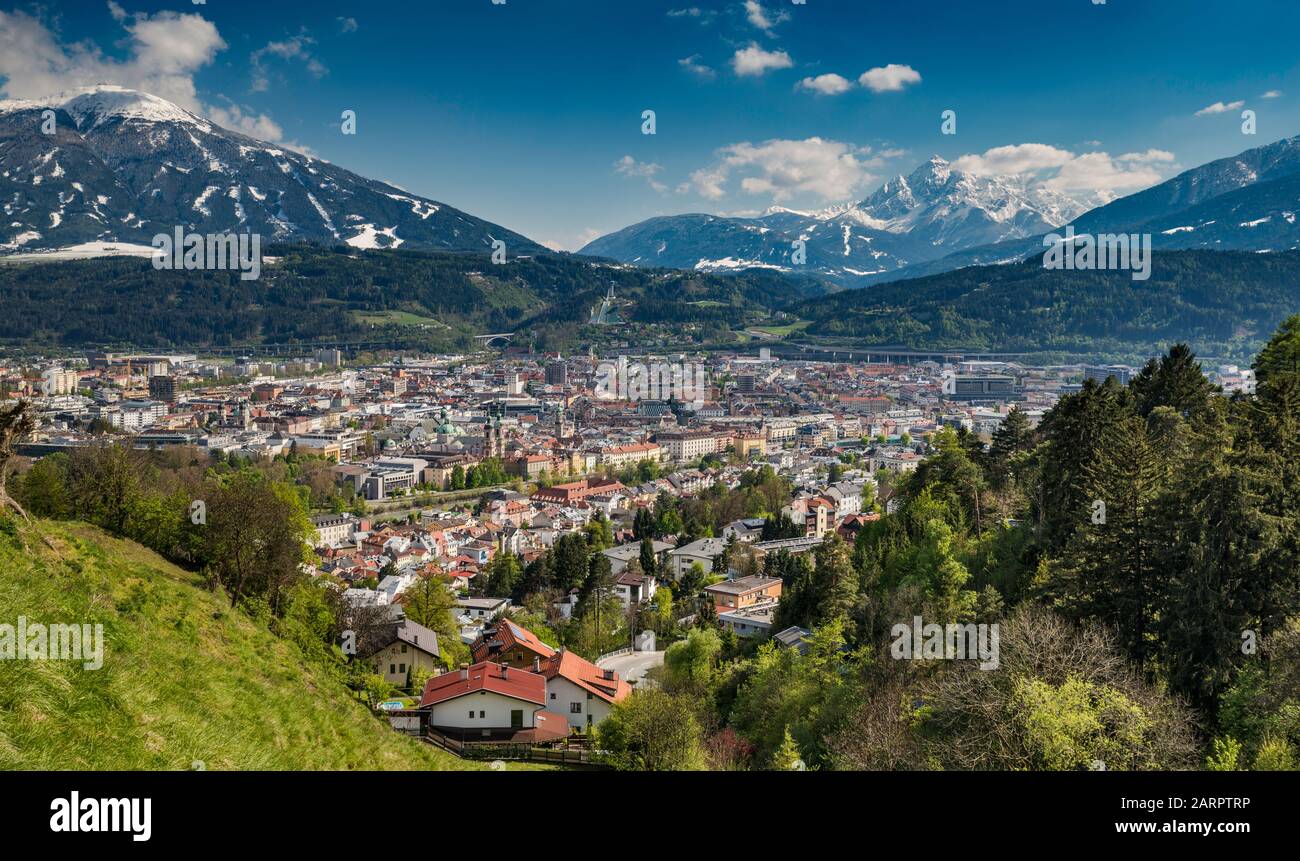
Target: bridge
x,y
498,340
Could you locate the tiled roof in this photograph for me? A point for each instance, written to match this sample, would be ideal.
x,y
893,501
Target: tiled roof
x,y
485,676
504,636
585,675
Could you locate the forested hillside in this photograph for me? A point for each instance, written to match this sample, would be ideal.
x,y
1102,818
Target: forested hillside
x,y
1221,303
427,300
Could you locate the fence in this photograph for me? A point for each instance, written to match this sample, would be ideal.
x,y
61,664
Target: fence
x,y
490,751
626,650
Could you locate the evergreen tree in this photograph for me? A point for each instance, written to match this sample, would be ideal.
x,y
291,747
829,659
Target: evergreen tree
x,y
649,563
1013,437
1113,566
787,756
570,561
1174,381
834,582
1281,355
503,575
1074,430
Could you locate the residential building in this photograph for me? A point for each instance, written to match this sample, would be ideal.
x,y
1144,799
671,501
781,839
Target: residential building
x,y
408,646
744,592
482,609
489,701
510,644
620,557
703,551
579,690
754,621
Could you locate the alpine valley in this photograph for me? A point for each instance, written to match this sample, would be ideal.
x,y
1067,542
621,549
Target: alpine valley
x,y
105,169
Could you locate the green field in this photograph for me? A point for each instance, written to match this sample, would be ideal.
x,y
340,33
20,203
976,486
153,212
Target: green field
x,y
397,318
782,331
187,682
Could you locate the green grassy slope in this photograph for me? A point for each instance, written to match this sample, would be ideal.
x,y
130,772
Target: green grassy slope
x,y
185,679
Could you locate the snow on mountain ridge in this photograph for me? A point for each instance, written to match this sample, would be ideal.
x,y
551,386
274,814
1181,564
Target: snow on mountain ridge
x,y
145,166
102,102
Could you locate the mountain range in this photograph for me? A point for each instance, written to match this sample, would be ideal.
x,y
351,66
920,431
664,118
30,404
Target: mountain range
x,y
121,166
934,211
938,219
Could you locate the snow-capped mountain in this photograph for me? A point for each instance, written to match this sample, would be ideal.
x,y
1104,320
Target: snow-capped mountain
x,y
1246,202
934,211
124,166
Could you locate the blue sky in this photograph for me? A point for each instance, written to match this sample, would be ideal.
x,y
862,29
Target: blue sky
x,y
529,113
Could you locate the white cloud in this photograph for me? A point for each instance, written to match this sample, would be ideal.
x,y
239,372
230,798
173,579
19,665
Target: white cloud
x,y
628,166
707,182
255,125
828,85
693,65
761,18
347,25
294,48
695,12
1271,94
785,169
164,51
755,61
575,242
1062,170
1097,171
1015,160
888,79
234,117
1148,157
1219,108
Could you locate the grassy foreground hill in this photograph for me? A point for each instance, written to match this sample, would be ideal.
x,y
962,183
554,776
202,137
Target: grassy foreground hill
x,y
187,682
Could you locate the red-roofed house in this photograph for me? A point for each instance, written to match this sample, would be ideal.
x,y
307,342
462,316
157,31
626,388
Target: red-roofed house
x,y
508,643
492,701
580,690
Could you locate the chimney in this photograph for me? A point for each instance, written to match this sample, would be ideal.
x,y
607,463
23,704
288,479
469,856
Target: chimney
x,y
464,672
609,675
537,665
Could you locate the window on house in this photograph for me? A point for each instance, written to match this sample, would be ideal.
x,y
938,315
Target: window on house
x,y
403,648
575,708
401,668
392,668
471,714
482,714
552,696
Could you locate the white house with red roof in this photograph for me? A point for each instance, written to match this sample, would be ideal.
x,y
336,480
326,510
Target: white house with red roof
x,y
489,701
579,690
